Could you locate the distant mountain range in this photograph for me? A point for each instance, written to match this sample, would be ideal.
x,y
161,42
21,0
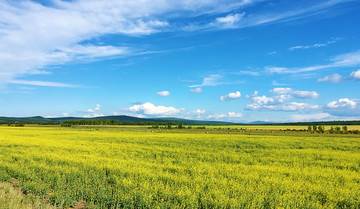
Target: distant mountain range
x,y
120,118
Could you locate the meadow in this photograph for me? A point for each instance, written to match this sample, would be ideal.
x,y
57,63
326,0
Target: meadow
x,y
137,167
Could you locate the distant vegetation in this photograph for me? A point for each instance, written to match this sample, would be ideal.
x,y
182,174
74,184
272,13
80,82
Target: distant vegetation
x,y
128,120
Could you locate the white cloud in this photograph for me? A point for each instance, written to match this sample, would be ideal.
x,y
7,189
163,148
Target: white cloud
x,y
334,78
66,114
230,20
93,112
163,93
272,53
34,36
234,115
271,69
305,94
41,83
231,96
266,17
253,95
150,109
196,90
97,107
229,115
93,115
291,106
199,112
278,103
244,72
310,117
345,102
296,93
344,107
343,60
332,41
211,80
355,75
281,90
275,83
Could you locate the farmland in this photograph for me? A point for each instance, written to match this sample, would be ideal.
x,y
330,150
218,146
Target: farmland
x,y
138,167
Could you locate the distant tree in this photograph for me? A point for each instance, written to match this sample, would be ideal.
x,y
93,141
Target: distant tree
x,y
309,128
345,129
314,127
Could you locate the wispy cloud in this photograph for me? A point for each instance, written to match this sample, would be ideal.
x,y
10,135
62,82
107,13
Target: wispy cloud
x,y
240,20
334,78
317,45
34,36
310,117
229,21
42,83
247,72
229,115
343,60
211,80
196,90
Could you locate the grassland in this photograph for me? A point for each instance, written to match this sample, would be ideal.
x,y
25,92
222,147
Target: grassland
x,y
135,167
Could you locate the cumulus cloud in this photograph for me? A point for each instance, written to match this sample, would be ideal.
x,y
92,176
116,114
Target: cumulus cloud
x,y
295,93
163,93
196,90
150,109
344,107
355,75
280,102
231,96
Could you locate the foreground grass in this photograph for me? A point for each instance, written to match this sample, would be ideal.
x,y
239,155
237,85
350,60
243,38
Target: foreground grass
x,y
111,168
13,198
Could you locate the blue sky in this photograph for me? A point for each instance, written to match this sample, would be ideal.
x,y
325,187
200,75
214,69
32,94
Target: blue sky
x,y
241,61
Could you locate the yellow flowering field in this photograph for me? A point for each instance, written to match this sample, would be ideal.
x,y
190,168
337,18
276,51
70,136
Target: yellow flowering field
x,y
117,168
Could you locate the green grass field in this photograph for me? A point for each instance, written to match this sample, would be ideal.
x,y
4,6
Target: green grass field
x,y
135,167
